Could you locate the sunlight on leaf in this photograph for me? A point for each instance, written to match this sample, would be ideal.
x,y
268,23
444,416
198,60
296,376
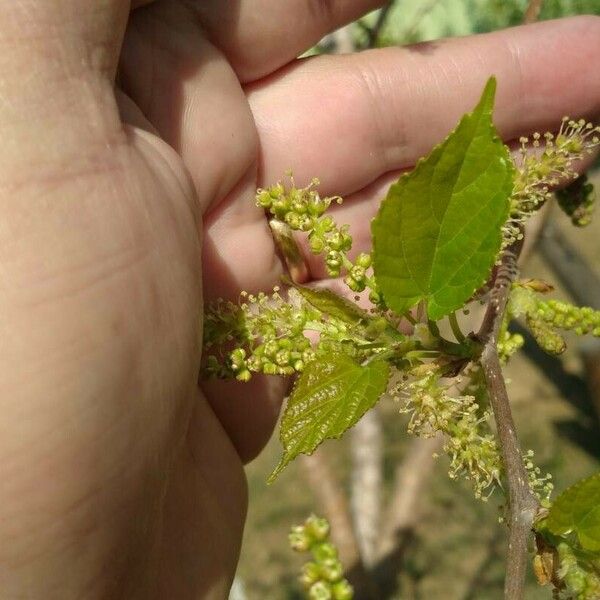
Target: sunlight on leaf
x,y
327,400
438,231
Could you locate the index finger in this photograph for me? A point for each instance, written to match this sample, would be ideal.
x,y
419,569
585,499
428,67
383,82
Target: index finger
x,y
349,119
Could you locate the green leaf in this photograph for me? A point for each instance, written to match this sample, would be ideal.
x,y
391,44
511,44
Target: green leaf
x,y
577,510
329,303
328,399
438,231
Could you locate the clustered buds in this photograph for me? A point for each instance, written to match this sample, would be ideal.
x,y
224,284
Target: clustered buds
x,y
544,317
269,333
547,338
508,344
550,163
323,576
582,320
541,485
473,452
302,209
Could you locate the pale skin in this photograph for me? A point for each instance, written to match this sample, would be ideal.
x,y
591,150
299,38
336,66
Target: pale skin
x,y
125,204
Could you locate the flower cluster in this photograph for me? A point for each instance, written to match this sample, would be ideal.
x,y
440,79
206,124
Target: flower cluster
x,y
508,344
302,209
540,168
473,451
562,315
547,338
323,576
541,485
269,333
545,317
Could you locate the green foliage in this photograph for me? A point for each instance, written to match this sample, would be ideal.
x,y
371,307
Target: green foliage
x,y
577,510
442,247
578,573
569,535
328,398
436,238
333,305
411,22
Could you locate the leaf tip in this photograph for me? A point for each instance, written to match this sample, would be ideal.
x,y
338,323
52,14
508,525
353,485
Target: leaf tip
x,y
283,463
489,94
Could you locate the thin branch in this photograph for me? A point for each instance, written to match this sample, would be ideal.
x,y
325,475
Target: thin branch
x,y
523,504
410,479
373,32
533,11
404,511
366,450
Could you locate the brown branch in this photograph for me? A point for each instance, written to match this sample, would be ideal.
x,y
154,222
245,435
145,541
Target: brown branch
x,y
523,504
410,480
533,11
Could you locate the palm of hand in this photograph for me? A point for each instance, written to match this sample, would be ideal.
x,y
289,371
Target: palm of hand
x,y
138,466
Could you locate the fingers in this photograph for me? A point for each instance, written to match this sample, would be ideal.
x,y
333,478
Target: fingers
x,y
349,119
259,36
190,94
248,412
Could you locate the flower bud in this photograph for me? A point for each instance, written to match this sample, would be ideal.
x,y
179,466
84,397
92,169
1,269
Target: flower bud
x,y
317,245
311,573
318,528
320,591
332,570
342,590
299,539
364,260
324,551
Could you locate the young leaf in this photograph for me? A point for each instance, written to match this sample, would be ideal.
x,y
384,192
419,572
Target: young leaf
x,y
330,303
577,510
328,399
438,231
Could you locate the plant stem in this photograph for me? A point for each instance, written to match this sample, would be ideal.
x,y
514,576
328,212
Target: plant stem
x,y
433,328
458,334
373,32
523,504
410,318
532,12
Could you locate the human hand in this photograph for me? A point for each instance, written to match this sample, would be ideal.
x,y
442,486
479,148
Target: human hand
x,y
120,478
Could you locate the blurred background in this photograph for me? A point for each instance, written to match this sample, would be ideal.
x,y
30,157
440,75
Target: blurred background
x,y
397,517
